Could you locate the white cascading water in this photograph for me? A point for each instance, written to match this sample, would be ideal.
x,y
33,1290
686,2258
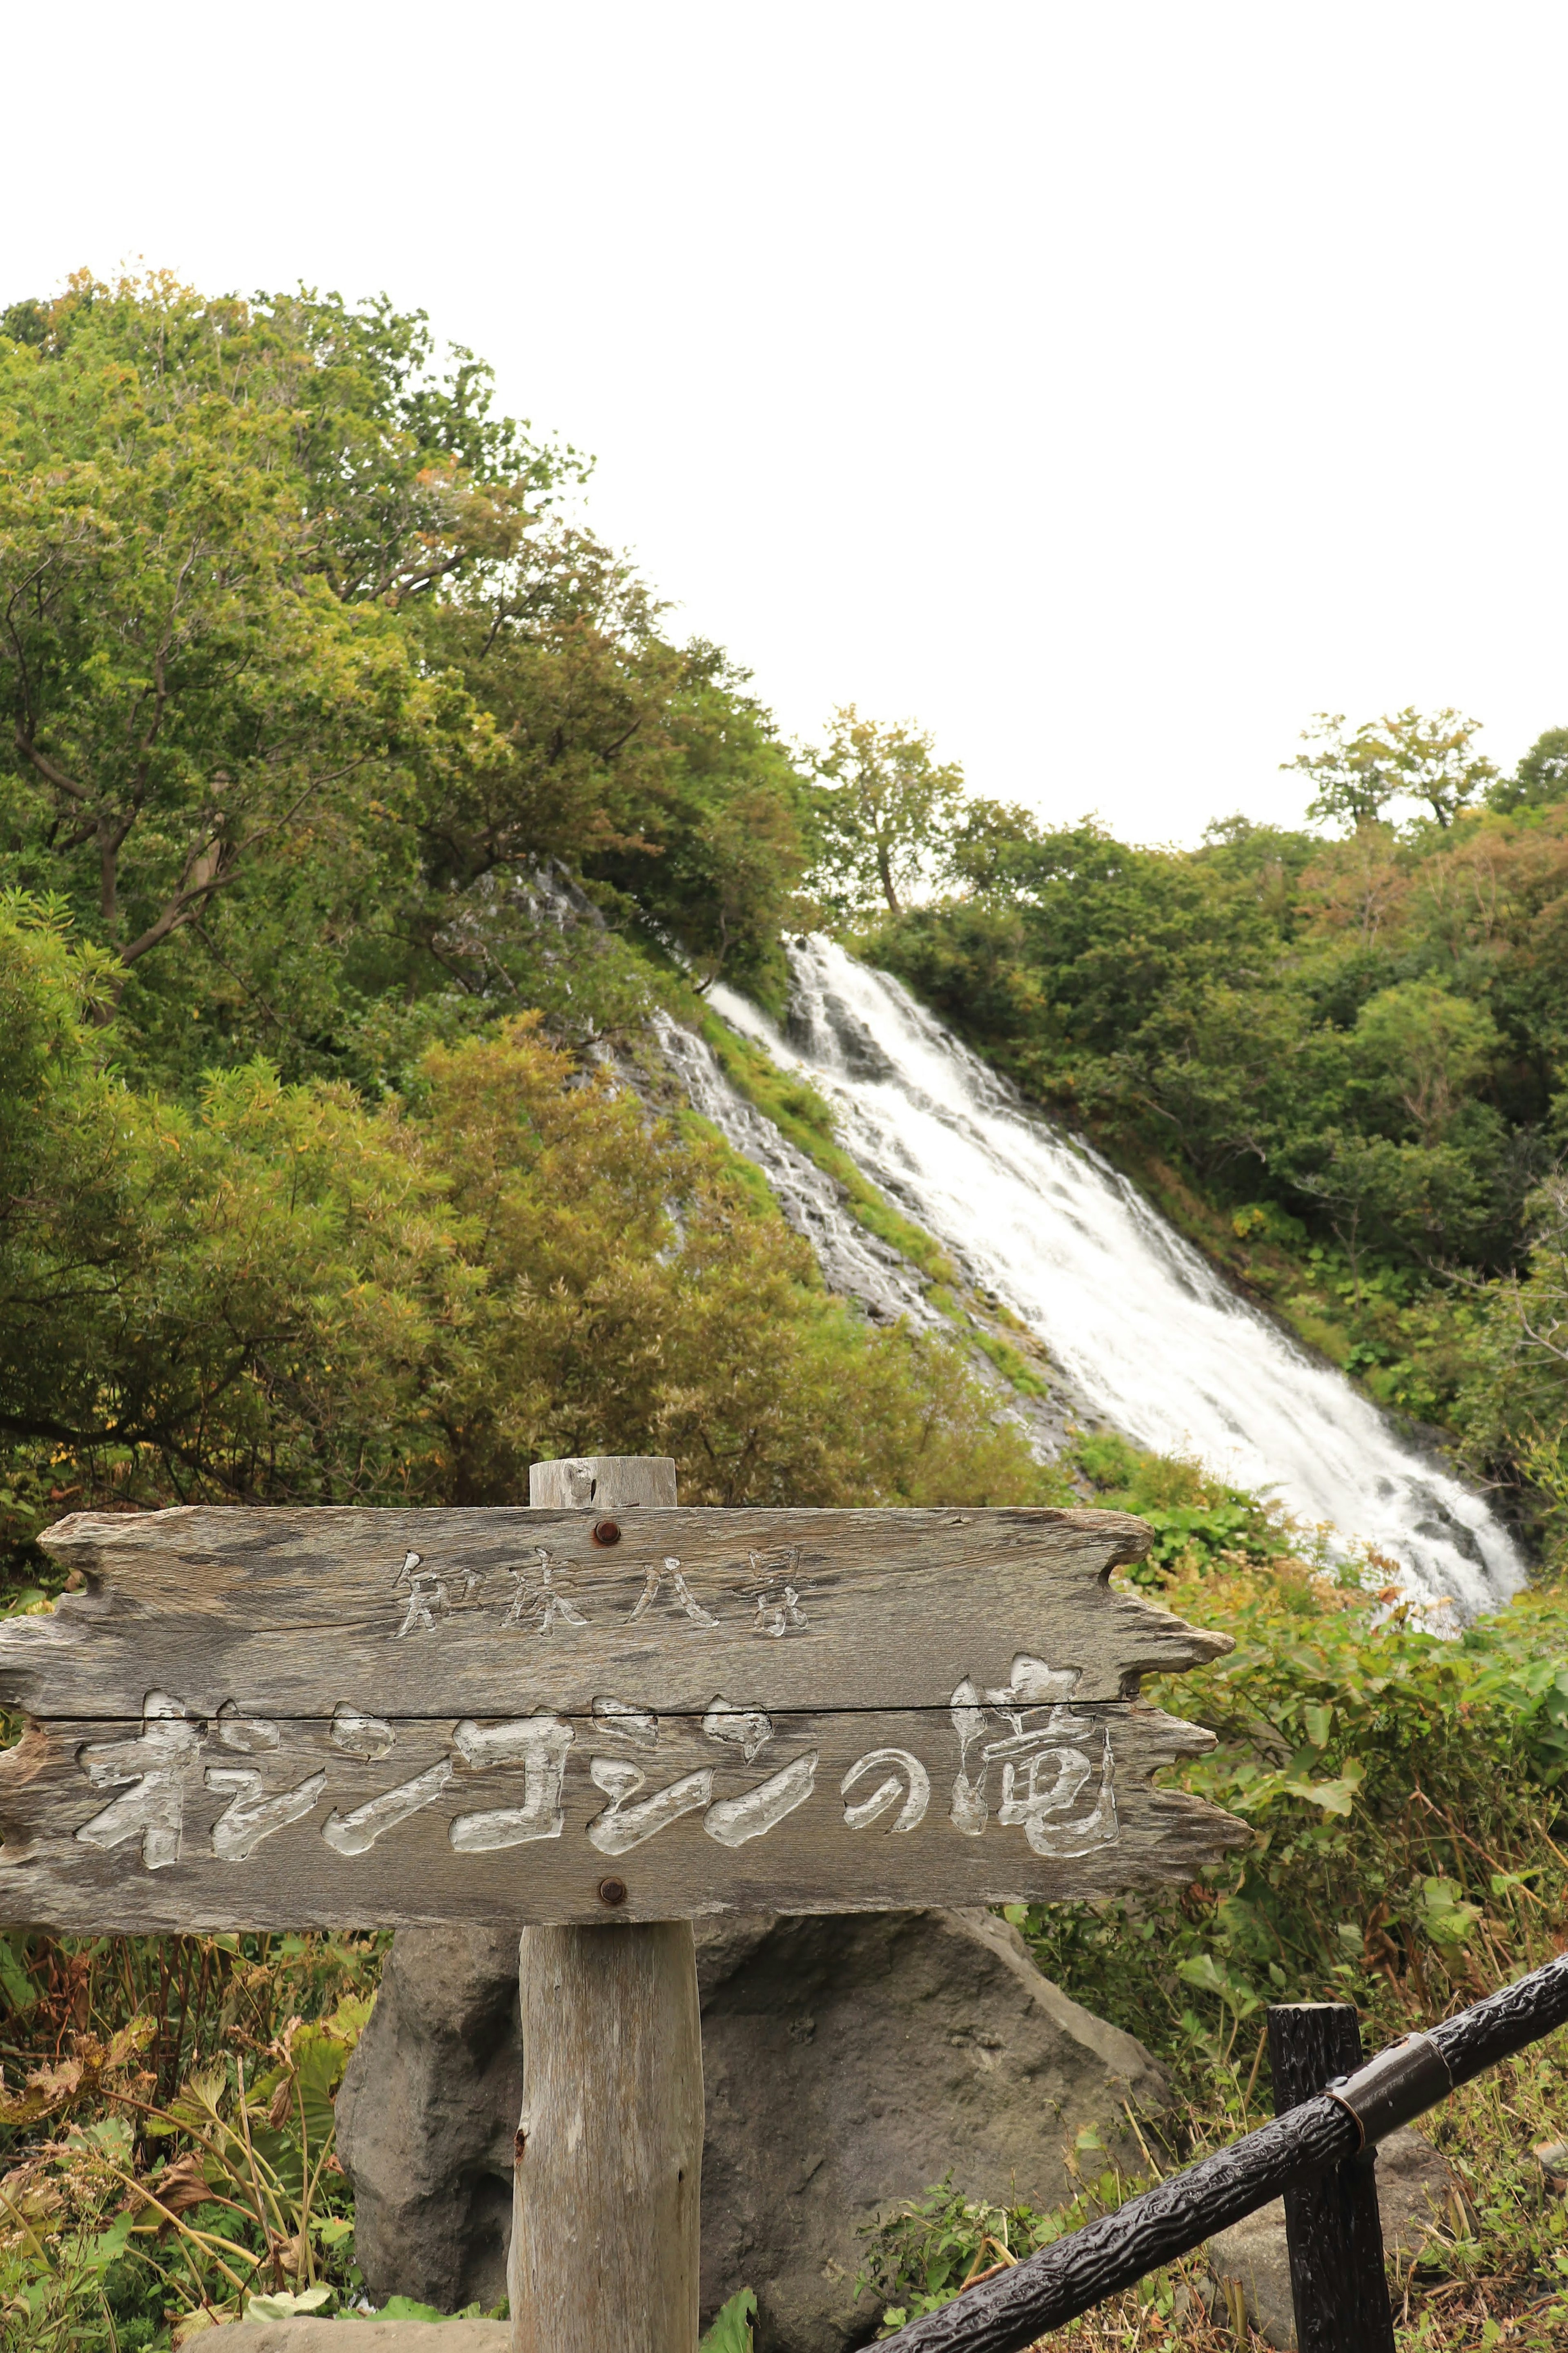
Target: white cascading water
x,y
1152,1338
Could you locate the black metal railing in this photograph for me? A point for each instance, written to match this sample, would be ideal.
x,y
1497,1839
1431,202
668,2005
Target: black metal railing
x,y
1308,2155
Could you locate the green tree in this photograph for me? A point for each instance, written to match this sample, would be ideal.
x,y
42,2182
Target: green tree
x,y
996,848
731,829
276,1293
1427,1049
1513,1409
237,1299
302,676
1401,756
648,767
1419,1200
885,812
210,512
1540,778
635,1299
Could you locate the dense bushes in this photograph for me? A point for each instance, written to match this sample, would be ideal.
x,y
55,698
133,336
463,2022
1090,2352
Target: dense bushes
x,y
274,1293
1402,1781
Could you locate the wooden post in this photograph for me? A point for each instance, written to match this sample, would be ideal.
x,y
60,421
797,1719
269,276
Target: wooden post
x,y
607,2188
1332,2224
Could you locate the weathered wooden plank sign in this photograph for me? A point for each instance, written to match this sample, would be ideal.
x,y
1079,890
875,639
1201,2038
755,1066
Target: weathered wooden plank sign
x,y
283,1718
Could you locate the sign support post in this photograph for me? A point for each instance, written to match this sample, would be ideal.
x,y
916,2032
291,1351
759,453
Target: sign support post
x,y
606,2198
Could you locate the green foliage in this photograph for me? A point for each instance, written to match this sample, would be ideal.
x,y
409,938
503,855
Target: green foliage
x,y
1197,1520
729,2330
1014,1367
1541,777
884,813
589,738
928,2250
184,678
1402,1789
1494,2268
1405,1791
1515,1399
231,1298
305,675
136,2200
406,2307
633,1298
1339,1065
277,1293
1405,756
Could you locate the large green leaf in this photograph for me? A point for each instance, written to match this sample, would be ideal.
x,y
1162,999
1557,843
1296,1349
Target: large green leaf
x,y
731,2331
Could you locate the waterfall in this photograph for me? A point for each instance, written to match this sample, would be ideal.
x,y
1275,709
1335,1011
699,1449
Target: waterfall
x,y
1149,1336
852,1261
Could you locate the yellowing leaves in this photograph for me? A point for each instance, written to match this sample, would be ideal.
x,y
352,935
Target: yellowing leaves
x,y
279,1293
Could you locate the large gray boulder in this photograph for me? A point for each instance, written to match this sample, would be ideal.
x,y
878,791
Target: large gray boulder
x,y
853,2062
850,2062
426,2115
297,2335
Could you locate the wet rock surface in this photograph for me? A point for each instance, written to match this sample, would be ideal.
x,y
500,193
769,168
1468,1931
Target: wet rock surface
x,y
849,2062
856,1264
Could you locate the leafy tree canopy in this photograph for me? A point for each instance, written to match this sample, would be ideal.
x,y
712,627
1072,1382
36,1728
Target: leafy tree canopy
x,y
277,1293
1541,777
884,812
1403,756
300,649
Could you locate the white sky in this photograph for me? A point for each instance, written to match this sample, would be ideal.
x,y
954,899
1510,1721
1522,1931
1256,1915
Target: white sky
x,y
1108,387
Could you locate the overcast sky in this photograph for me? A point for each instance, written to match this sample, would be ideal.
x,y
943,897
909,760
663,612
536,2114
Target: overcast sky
x,y
1106,387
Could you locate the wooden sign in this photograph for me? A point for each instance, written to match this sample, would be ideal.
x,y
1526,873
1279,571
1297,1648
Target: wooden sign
x,y
288,1719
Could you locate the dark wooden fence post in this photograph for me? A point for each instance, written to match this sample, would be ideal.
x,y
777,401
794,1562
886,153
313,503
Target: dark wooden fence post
x,y
1332,2224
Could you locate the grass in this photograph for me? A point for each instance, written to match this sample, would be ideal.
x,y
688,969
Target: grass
x,y
168,2132
1496,2274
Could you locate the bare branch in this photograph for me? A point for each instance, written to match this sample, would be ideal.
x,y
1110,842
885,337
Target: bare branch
x,y
177,911
46,767
200,880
